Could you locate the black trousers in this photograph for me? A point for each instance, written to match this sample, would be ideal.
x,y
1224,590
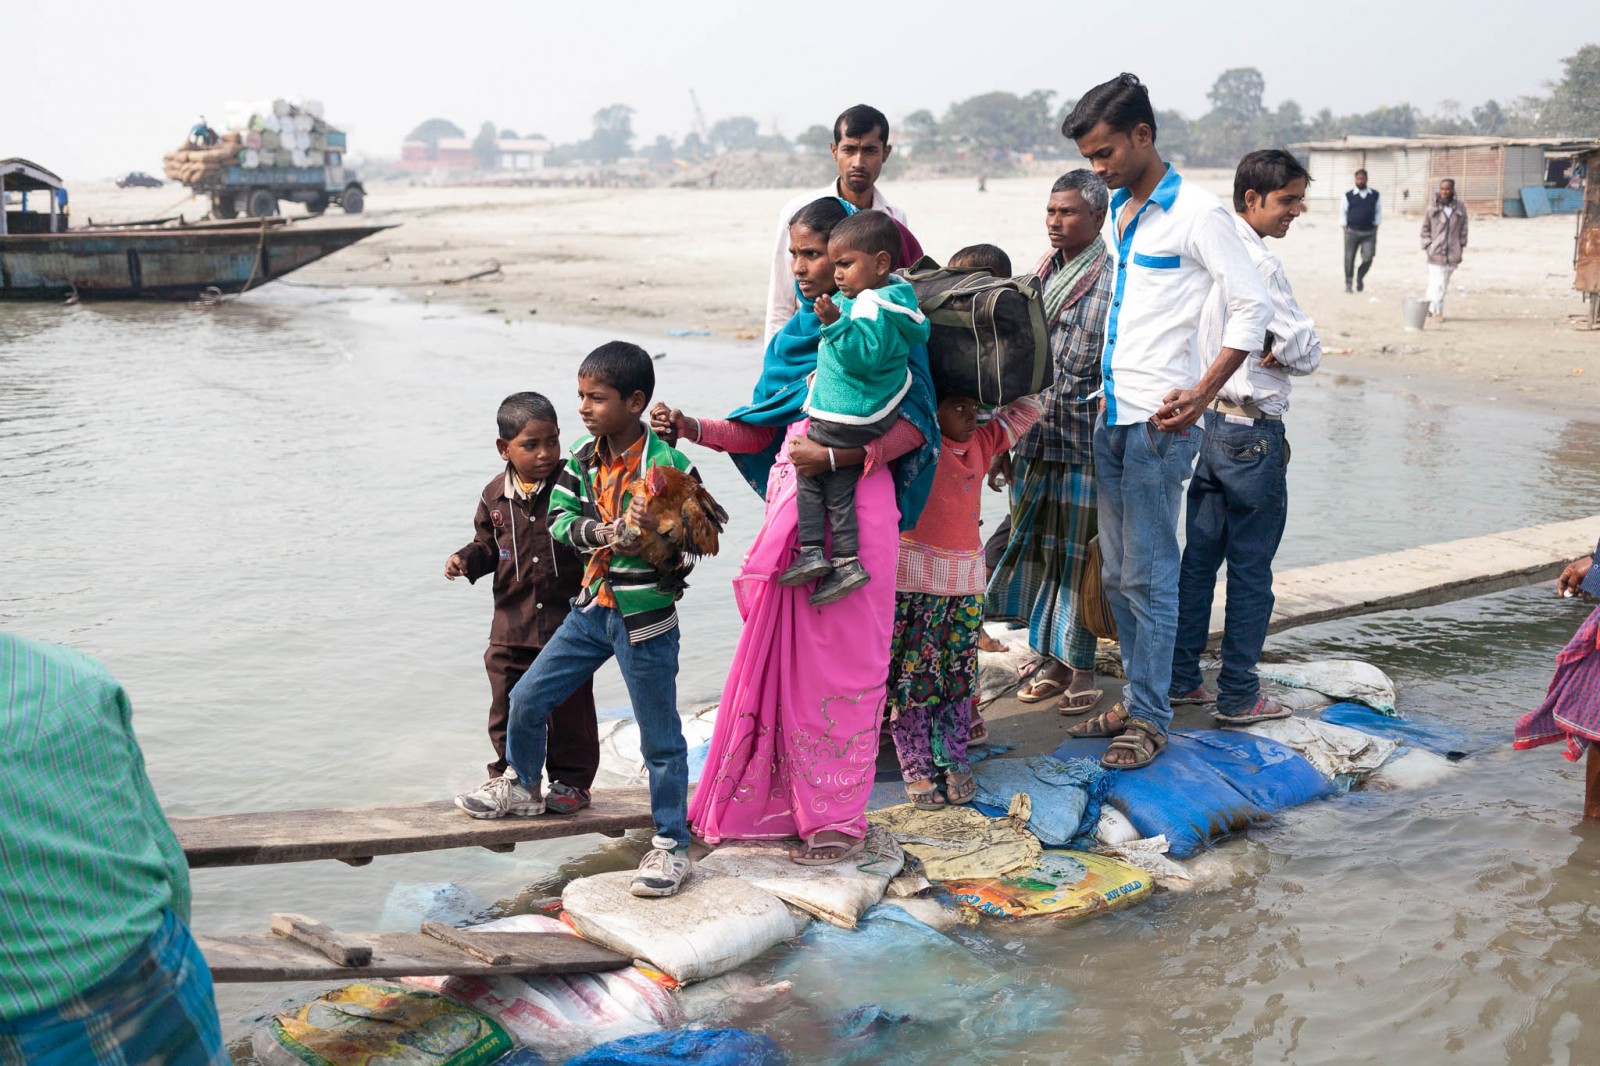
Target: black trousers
x,y
573,753
828,501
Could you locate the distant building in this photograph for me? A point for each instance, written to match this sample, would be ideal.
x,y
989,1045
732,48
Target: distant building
x,y
456,154
1490,172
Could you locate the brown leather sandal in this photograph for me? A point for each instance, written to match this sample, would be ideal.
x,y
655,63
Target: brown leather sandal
x,y
1139,739
1112,723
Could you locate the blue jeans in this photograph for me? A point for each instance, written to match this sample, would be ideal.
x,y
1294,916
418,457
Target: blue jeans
x,y
1237,504
585,640
1139,473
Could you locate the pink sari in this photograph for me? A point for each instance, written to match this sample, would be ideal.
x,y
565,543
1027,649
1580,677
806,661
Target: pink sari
x,y
796,741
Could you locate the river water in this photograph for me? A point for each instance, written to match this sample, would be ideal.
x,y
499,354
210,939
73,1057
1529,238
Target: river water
x,y
245,510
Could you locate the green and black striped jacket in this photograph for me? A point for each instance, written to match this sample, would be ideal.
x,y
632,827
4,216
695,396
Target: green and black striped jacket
x,y
574,519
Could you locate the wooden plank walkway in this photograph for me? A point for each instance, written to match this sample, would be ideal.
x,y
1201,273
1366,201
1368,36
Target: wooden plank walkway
x,y
268,957
1416,577
356,834
1425,576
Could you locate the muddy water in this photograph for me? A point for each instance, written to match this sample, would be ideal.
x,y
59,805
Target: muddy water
x,y
245,511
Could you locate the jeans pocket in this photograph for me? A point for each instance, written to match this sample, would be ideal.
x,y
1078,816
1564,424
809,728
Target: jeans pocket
x,y
1160,442
1286,451
1245,451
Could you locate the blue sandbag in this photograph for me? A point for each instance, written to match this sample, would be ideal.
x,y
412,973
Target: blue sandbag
x,y
711,1047
1269,774
1208,784
1062,793
1445,741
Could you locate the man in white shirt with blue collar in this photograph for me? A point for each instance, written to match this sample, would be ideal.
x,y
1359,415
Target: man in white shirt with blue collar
x,y
1238,498
1174,242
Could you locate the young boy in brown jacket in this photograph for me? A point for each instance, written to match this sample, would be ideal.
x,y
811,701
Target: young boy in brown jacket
x,y
535,578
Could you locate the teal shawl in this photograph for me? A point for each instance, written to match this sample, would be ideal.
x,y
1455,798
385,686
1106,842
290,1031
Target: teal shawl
x,y
781,391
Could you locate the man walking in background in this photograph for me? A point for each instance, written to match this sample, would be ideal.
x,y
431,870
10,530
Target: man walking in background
x,y
860,148
1238,497
1360,213
1175,242
1444,239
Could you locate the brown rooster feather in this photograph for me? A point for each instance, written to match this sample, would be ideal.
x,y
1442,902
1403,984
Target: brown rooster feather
x,y
689,523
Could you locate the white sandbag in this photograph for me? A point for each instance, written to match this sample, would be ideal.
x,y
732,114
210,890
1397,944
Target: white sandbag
x,y
313,107
1412,768
1302,701
998,671
621,765
725,999
714,924
1114,827
838,894
1335,750
930,912
250,159
1150,855
281,108
1343,679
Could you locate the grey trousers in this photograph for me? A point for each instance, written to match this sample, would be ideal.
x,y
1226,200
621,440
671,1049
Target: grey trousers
x,y
1367,241
828,501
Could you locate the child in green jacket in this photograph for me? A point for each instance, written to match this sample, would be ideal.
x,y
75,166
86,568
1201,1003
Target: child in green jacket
x,y
862,374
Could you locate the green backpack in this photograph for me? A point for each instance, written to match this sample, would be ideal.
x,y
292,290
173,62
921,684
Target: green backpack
x,y
988,339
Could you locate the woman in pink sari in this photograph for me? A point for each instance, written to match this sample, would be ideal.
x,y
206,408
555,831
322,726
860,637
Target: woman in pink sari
x,y
795,748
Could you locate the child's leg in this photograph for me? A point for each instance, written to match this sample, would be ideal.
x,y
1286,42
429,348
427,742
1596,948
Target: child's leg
x,y
505,667
650,669
810,510
573,736
839,496
910,727
912,730
952,723
579,648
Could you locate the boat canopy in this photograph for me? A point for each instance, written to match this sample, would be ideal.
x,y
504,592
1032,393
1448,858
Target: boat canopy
x,y
20,175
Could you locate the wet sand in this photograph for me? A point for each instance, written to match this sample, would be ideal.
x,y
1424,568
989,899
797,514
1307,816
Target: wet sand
x,y
656,260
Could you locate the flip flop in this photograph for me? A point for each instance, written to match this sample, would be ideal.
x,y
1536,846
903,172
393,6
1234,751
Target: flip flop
x,y
1082,708
840,851
930,800
960,788
1037,688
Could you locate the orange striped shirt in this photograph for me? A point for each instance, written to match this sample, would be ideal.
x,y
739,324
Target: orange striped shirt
x,y
611,480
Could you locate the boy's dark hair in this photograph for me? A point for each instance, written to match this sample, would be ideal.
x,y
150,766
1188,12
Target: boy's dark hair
x,y
623,366
869,231
821,215
1121,103
859,121
982,257
520,408
1265,171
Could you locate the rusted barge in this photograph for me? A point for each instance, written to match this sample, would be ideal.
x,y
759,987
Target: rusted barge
x,y
42,258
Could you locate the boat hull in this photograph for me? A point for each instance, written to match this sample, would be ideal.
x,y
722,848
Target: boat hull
x,y
162,264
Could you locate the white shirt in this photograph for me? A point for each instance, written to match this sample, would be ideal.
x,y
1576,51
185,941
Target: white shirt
x,y
1178,247
1344,207
781,300
1295,343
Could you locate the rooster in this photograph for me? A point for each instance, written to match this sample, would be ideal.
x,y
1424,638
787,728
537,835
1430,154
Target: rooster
x,y
688,524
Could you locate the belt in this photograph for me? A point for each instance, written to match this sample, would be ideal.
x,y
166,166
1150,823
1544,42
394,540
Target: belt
x,y
1246,410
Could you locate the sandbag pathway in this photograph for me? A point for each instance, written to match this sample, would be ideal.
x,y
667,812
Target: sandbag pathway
x,y
1049,836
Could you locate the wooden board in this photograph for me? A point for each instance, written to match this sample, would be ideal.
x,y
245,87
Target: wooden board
x,y
355,833
267,957
1422,577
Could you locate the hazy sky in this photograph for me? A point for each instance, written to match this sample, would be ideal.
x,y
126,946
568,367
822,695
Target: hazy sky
x,y
100,86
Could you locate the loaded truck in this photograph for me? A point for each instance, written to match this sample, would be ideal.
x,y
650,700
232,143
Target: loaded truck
x,y
277,152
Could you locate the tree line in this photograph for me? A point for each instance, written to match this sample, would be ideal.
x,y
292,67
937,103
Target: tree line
x,y
1001,125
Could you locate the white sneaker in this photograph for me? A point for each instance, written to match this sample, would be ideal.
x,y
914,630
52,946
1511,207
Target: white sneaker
x,y
499,797
663,870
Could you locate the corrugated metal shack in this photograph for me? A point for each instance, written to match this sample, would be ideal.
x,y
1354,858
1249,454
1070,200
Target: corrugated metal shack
x,y
1491,173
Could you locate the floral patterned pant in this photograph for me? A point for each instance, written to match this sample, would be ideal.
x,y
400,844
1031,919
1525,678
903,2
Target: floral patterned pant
x,y
933,669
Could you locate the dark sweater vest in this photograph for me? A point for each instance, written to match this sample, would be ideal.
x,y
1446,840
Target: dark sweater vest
x,y
1360,211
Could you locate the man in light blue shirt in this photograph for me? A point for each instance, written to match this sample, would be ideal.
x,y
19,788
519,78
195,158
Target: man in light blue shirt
x,y
1174,243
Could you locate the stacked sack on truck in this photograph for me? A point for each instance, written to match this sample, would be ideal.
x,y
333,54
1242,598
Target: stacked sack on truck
x,y
195,166
283,133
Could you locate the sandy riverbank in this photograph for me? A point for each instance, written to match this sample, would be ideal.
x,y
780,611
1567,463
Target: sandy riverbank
x,y
656,260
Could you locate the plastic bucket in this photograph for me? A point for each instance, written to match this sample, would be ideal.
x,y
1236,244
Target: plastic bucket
x,y
1414,312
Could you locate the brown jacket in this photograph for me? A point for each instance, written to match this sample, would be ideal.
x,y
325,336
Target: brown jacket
x,y
534,574
1444,239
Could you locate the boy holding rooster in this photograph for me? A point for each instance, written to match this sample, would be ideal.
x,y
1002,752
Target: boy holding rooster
x,y
622,493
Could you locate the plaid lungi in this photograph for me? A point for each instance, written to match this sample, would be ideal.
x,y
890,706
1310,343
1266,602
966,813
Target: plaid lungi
x,y
155,1009
1571,707
1052,520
